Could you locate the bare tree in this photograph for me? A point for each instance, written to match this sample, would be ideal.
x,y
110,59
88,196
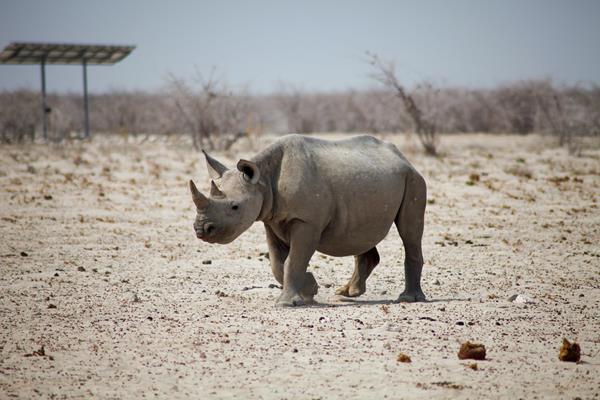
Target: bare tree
x,y
425,129
211,112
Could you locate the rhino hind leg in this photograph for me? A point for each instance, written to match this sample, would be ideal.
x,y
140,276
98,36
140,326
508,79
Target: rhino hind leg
x,y
364,264
410,221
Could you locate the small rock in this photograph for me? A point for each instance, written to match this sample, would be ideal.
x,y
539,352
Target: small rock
x,y
570,352
403,358
47,197
327,285
437,282
460,323
294,350
471,351
23,254
473,366
51,306
274,286
41,352
521,299
80,269
207,262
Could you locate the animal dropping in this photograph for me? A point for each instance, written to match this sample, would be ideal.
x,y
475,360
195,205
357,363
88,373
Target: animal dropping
x,y
471,351
336,197
569,351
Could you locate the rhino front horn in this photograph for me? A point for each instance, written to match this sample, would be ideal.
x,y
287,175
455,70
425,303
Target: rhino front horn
x,y
199,199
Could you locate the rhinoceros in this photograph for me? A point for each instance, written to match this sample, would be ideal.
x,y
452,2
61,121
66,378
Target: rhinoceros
x,y
339,198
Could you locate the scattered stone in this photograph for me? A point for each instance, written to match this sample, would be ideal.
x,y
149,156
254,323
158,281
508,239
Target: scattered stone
x,y
521,299
23,254
41,352
437,282
47,197
570,352
471,351
274,286
403,358
460,323
149,318
250,288
136,299
385,308
220,293
294,350
473,366
51,305
327,285
448,385
80,269
207,262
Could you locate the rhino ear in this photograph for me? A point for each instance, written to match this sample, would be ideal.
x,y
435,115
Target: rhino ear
x,y
199,199
214,190
215,168
250,170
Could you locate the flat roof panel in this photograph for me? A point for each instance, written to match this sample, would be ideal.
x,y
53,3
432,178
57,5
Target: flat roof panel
x,y
63,53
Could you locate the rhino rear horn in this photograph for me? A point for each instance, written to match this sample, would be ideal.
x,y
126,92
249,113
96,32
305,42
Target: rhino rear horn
x,y
199,199
215,168
214,190
250,170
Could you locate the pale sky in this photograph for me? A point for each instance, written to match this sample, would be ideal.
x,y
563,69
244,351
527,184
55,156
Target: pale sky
x,y
314,45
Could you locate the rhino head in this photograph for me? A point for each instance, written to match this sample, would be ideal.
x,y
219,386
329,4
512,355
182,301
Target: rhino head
x,y
232,206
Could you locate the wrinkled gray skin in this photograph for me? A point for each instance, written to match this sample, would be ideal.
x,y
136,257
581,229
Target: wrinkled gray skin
x,y
336,197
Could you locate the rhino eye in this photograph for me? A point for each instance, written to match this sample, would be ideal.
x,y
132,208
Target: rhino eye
x,y
235,207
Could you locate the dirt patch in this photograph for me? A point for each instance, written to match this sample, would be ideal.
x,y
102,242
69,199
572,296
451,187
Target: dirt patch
x,y
141,312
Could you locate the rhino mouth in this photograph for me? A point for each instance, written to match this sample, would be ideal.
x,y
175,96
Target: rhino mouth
x,y
216,238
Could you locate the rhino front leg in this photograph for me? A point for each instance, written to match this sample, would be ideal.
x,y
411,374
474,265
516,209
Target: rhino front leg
x,y
278,253
299,286
364,264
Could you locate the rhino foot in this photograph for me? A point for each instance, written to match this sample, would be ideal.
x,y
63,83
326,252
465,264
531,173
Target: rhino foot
x,y
349,290
290,301
411,296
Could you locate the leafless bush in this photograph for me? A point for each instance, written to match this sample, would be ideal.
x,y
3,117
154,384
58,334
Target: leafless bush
x,y
211,112
424,124
19,115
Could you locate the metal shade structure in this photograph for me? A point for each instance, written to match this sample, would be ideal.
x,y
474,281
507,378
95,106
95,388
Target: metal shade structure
x,y
65,54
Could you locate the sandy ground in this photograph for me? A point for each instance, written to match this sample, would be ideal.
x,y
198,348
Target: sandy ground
x,y
100,267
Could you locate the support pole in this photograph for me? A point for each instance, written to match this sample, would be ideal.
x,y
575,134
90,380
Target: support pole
x,y
86,108
44,106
